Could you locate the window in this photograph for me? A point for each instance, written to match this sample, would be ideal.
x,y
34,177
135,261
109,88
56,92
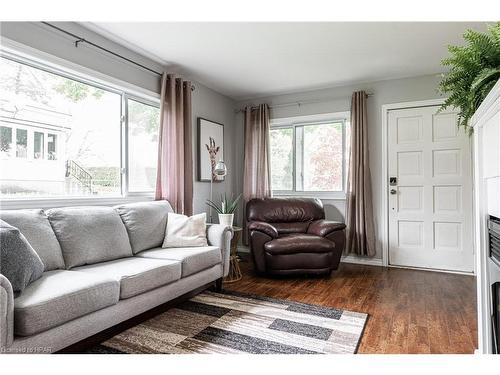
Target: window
x,y
52,146
69,137
143,126
5,141
282,159
38,151
21,143
308,155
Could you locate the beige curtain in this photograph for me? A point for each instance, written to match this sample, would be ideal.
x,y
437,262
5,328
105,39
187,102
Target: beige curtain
x,y
174,178
256,175
359,210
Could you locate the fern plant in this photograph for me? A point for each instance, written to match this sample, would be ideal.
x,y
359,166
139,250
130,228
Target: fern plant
x,y
474,70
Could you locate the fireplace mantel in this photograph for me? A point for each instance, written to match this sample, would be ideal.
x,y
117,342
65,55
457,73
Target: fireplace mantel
x,y
486,124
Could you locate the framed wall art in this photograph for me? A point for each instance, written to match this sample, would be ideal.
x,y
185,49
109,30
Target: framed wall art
x,y
210,148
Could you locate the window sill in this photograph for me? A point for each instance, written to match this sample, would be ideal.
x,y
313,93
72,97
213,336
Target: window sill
x,y
46,203
323,195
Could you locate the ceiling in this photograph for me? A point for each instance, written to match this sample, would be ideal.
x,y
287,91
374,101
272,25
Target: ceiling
x,y
246,60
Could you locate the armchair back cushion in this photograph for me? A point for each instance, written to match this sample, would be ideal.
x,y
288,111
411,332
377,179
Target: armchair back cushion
x,y
89,235
35,226
145,222
286,215
285,210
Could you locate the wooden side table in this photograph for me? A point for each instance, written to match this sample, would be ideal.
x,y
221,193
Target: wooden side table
x,y
234,261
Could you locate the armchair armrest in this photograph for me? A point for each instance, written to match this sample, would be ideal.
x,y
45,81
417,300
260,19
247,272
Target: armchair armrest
x,y
323,228
264,228
220,236
6,313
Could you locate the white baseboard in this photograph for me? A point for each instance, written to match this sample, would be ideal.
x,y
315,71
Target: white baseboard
x,y
361,260
346,258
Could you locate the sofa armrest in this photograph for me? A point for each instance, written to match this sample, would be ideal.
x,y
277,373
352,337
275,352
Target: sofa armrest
x,y
323,228
264,228
220,236
6,313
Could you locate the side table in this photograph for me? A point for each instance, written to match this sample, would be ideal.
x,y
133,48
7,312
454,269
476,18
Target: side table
x,y
234,266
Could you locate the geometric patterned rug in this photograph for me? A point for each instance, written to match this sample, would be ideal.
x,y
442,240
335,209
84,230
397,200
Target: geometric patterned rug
x,y
232,323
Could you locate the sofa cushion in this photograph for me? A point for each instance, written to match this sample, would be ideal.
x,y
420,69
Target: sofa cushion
x,y
18,261
60,296
299,243
145,223
89,235
193,259
35,226
136,275
186,231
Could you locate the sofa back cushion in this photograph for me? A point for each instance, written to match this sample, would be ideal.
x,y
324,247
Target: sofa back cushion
x,y
89,235
35,226
145,223
284,210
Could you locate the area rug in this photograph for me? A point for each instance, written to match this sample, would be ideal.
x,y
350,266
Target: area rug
x,y
233,323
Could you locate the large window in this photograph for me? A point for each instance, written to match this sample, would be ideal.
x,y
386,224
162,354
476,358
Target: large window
x,y
308,154
62,135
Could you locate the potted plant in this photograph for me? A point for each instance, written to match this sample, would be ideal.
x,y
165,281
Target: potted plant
x,y
474,70
225,209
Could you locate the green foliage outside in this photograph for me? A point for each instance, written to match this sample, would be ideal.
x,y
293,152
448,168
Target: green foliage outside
x,y
474,70
143,118
104,176
76,91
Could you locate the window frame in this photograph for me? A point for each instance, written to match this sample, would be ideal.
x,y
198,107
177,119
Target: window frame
x,y
48,63
298,123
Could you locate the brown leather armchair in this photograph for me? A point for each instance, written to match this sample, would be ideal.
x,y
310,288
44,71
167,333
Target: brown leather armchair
x,y
291,236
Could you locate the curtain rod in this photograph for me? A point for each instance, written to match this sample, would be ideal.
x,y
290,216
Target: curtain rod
x,y
298,103
79,40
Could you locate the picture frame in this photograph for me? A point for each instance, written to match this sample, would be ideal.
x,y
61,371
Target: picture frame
x,y
210,148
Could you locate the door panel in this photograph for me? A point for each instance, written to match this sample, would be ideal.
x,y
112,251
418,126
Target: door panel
x,y
430,205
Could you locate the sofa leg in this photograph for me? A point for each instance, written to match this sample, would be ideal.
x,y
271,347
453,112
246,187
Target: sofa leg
x,y
218,285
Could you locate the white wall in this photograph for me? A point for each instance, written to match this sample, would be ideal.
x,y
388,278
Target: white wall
x,y
216,107
338,99
206,103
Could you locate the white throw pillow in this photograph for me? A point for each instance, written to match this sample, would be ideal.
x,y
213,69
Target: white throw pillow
x,y
183,231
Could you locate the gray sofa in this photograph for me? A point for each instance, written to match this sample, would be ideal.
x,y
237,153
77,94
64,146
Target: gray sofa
x,y
102,266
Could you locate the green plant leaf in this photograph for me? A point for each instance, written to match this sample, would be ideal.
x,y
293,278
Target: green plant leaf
x,y
473,70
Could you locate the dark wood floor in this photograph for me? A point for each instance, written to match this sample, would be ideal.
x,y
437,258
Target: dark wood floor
x,y
409,311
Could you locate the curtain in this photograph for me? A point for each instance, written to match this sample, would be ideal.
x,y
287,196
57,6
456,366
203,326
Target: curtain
x,y
174,178
256,175
359,209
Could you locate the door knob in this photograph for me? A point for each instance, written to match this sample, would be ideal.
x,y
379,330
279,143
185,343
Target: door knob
x,y
393,191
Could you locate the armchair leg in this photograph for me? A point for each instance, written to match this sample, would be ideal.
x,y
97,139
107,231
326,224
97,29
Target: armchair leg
x,y
218,285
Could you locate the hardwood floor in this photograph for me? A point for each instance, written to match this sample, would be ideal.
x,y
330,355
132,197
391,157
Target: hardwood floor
x,y
409,311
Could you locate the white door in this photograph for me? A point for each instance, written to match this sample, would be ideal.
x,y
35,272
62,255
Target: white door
x,y
430,195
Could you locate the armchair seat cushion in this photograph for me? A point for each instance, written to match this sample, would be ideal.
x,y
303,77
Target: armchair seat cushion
x,y
193,259
60,296
298,243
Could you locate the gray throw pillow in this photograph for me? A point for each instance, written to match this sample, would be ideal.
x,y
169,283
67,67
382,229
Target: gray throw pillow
x,y
19,263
